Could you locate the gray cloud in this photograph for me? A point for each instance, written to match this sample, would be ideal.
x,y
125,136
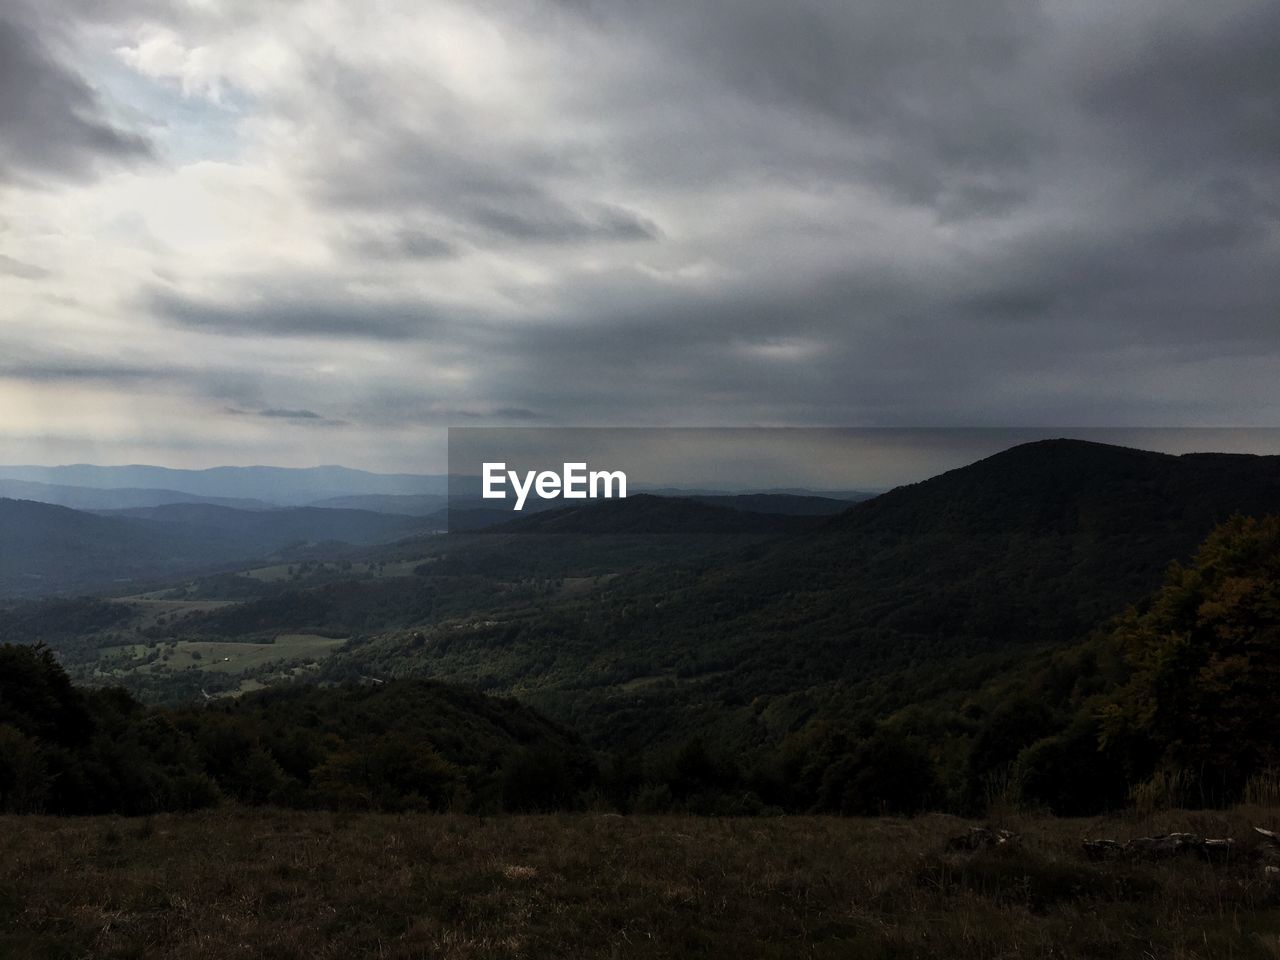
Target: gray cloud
x,y
401,244
52,122
297,312
546,221
52,371
941,99
291,414
302,417
21,269
492,192
514,414
742,211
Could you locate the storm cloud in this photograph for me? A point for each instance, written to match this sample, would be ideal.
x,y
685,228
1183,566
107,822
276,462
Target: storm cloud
x,y
52,122
579,212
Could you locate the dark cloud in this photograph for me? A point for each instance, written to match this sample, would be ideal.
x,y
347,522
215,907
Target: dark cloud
x,y
938,95
490,191
42,367
517,414
1200,86
888,212
285,312
402,244
302,417
52,122
546,221
291,414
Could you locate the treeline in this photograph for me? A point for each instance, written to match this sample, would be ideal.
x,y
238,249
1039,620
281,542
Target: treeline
x,y
407,745
1171,705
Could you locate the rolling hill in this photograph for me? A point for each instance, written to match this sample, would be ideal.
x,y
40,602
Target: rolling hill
x,y
1023,551
644,514
116,498
911,644
47,549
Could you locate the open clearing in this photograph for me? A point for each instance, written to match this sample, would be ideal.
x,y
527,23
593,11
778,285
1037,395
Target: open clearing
x,y
258,884
218,656
302,570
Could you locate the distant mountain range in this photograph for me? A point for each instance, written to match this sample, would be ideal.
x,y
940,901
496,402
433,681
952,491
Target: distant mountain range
x,y
47,548
1022,551
113,498
278,485
90,487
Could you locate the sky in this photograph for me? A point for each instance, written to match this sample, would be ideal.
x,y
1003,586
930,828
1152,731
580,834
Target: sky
x,y
312,231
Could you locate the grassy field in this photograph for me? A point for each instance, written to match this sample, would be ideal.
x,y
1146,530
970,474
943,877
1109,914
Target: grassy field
x,y
282,572
218,656
227,657
239,883
255,664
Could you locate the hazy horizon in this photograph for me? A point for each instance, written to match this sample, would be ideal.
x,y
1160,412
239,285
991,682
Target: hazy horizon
x,y
748,459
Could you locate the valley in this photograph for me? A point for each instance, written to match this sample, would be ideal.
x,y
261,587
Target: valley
x,y
787,650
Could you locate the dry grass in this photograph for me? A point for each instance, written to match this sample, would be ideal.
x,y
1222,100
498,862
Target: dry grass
x,y
238,883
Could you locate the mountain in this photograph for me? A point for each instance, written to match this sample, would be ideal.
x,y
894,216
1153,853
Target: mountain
x,y
409,505
47,549
271,529
791,504
279,485
644,514
897,655
117,498
1023,551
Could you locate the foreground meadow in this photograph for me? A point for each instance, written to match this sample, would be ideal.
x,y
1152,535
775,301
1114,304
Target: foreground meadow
x,y
253,883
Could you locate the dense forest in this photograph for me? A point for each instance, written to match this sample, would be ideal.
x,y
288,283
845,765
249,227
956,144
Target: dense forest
x,y
1170,703
408,745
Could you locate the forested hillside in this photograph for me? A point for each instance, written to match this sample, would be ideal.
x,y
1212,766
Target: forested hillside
x,y
943,645
1026,550
409,745
48,550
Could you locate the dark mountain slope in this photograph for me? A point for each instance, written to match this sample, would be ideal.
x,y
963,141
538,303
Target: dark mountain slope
x,y
784,503
419,505
645,514
1026,549
269,530
1036,543
46,548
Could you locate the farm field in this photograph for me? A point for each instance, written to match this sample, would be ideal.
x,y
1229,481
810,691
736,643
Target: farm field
x,y
237,667
259,883
231,657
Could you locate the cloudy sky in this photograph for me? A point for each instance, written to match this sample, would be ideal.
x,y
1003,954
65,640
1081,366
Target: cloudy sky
x,y
302,231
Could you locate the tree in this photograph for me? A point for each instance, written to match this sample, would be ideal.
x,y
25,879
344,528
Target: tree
x,y
1205,657
24,778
